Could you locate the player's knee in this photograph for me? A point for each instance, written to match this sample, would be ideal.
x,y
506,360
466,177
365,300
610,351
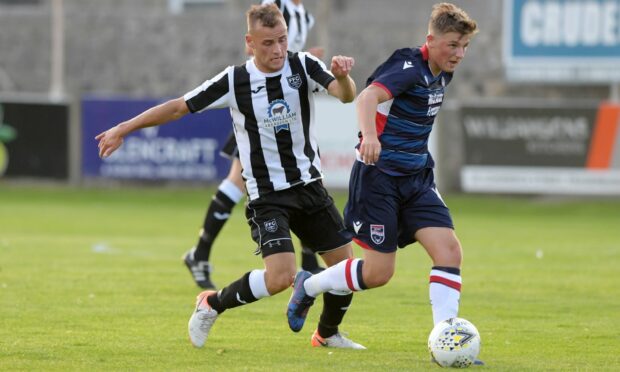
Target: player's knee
x,y
279,282
455,252
451,255
378,278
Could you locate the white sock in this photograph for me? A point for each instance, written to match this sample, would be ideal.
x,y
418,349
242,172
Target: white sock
x,y
445,291
257,284
344,276
231,190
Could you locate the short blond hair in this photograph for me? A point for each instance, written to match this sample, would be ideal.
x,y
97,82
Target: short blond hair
x,y
447,17
268,15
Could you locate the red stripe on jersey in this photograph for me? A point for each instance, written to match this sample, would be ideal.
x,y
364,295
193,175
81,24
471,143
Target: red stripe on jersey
x,y
424,50
446,282
379,85
347,274
380,121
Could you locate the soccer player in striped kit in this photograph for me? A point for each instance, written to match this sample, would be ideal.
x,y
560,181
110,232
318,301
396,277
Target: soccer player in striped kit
x,y
271,102
231,190
393,200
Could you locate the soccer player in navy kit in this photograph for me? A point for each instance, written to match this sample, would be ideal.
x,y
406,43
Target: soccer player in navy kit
x,y
271,101
393,200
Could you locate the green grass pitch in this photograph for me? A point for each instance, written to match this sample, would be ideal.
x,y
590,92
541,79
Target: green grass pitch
x,y
92,280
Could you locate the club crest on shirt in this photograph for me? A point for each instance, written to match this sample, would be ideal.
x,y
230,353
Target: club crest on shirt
x,y
377,233
279,116
294,81
271,225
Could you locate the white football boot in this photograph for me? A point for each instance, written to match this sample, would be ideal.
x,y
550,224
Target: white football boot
x,y
202,319
337,340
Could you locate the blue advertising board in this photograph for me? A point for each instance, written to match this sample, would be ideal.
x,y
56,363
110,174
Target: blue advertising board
x,y
564,41
187,149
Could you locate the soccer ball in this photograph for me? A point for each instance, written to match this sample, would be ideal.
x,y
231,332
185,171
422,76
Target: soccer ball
x,y
454,343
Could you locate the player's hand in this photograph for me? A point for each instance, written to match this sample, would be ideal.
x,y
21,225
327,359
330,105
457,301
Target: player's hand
x,y
109,141
341,66
370,149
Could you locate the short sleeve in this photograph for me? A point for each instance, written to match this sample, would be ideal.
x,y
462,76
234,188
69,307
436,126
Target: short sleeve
x,y
398,74
320,76
213,93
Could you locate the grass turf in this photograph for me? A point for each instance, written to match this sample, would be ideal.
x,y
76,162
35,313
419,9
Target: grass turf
x,y
91,279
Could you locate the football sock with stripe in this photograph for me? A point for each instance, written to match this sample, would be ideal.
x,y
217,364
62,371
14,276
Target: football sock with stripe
x,y
335,305
344,276
444,291
249,288
217,214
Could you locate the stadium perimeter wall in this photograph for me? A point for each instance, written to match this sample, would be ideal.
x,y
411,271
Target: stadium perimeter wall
x,y
141,49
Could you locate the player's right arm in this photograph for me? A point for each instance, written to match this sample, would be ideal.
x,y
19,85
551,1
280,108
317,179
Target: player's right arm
x,y
112,139
367,103
213,93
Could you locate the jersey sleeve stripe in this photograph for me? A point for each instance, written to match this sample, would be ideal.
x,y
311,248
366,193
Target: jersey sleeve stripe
x,y
208,93
379,85
317,73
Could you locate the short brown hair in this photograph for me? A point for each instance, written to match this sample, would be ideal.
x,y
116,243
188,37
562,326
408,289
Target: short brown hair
x,y
448,17
268,15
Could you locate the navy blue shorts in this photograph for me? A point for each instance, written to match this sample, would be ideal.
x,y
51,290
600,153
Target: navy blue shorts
x,y
385,211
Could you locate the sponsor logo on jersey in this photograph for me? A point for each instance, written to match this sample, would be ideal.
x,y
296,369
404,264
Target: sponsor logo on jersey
x,y
435,98
294,81
258,89
432,111
407,64
279,116
271,225
377,233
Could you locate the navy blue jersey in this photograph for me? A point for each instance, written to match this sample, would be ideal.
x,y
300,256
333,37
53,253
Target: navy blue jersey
x,y
404,122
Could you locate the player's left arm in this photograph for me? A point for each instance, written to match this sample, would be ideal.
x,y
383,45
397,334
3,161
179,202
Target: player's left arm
x,y
343,87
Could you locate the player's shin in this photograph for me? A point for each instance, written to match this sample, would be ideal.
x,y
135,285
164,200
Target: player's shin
x,y
249,288
335,306
445,292
219,210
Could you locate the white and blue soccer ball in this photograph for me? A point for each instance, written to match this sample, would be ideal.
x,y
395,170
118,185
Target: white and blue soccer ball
x,y
454,343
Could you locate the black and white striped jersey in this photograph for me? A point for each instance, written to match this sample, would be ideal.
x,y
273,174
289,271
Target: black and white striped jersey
x,y
273,119
299,22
